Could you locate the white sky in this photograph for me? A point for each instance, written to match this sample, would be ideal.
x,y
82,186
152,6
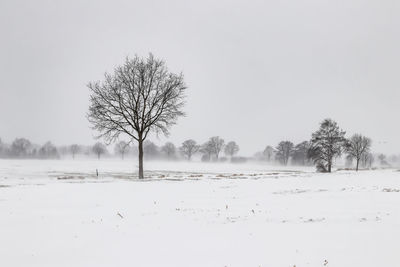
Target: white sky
x,y
258,71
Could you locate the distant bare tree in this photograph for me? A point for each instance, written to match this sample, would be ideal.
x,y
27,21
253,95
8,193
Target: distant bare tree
x,y
48,151
284,150
139,97
326,144
121,148
169,149
231,148
367,159
357,146
216,144
348,162
21,147
300,153
382,160
268,153
150,149
189,148
74,150
208,150
99,149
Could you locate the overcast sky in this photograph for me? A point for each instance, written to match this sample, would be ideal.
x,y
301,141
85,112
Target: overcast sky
x,y
257,71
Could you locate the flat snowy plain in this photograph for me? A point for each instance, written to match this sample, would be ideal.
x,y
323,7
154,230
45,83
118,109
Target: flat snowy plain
x,y
58,213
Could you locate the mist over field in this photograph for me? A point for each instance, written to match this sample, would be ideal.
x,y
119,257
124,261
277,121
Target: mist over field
x,y
199,133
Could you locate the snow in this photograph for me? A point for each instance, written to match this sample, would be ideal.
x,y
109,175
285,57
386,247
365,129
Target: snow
x,y
193,214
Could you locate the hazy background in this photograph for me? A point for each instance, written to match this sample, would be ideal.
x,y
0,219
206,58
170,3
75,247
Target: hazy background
x,y
257,71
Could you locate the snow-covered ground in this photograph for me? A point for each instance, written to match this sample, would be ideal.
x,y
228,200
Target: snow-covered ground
x,y
58,213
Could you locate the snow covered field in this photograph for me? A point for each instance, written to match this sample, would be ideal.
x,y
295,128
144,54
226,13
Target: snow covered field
x,y
58,213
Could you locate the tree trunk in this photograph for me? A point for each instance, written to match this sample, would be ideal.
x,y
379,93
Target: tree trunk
x,y
358,160
141,176
329,166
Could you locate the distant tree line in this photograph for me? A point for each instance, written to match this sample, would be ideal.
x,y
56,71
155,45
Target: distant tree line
x,y
326,145
209,151
23,148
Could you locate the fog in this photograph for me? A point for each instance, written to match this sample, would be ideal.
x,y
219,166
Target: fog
x,y
257,72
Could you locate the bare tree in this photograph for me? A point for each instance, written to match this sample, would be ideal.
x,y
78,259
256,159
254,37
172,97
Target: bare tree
x,y
284,150
139,97
357,146
348,161
121,148
326,144
367,159
48,151
300,153
382,160
189,148
99,149
231,148
74,150
268,153
150,149
207,149
216,144
169,149
21,147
